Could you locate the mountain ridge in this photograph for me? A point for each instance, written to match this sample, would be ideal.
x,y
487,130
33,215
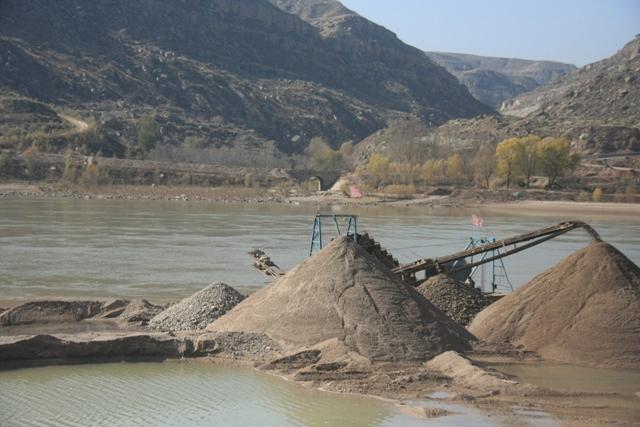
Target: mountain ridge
x,y
221,70
494,80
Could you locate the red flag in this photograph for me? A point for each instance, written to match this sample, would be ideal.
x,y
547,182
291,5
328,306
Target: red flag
x,y
355,192
476,220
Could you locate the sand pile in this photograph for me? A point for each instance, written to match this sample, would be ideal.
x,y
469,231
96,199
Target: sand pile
x,y
584,310
343,292
466,373
198,310
457,300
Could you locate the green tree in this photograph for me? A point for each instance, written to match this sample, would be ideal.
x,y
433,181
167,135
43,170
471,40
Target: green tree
x,y
322,157
484,164
555,158
148,133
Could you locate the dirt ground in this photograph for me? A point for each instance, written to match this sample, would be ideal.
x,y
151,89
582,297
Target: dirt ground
x,y
465,380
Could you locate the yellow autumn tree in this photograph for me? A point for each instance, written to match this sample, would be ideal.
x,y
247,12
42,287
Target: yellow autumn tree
x,y
484,164
507,154
528,158
377,169
455,168
555,158
597,195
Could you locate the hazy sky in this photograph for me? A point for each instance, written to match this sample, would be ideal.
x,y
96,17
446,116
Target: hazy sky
x,y
574,31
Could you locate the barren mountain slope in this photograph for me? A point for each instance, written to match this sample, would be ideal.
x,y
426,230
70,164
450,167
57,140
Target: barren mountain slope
x,y
494,80
222,70
608,89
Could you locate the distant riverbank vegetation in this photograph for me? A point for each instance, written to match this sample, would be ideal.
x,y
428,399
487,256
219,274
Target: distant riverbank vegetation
x,y
403,168
514,162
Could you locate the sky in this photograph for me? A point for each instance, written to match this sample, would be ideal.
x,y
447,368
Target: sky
x,y
574,31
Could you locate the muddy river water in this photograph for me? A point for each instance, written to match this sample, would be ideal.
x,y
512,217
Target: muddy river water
x,y
167,250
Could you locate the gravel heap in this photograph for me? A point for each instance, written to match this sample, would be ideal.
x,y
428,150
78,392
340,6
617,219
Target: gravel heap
x,y
585,310
198,310
344,293
457,300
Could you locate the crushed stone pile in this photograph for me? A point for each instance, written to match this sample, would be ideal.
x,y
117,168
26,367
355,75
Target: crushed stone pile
x,y
459,301
197,311
344,293
585,310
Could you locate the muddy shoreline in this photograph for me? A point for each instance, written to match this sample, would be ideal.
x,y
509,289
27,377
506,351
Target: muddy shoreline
x,y
465,379
535,202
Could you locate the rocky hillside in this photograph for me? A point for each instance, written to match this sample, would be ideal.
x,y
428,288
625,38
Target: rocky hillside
x,y
596,107
226,71
495,80
608,90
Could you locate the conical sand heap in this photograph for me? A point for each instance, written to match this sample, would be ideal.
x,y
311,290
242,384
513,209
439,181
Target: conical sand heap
x,y
585,310
343,292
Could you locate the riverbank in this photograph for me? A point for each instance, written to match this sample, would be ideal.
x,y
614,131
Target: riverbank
x,y
442,387
571,208
535,202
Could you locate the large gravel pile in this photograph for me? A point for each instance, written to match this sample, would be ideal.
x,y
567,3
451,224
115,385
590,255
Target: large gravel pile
x,y
344,293
459,301
584,310
197,311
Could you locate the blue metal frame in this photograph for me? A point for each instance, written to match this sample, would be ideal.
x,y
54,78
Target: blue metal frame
x,y
316,232
496,265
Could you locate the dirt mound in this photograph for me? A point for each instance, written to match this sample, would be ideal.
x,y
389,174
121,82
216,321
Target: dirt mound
x,y
584,310
343,292
457,300
465,372
50,312
197,311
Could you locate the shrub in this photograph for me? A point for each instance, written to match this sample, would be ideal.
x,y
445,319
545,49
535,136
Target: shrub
x,y
597,195
619,197
93,175
195,143
29,158
6,165
583,197
630,194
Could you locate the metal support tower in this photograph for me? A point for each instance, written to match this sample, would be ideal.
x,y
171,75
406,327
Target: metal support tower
x,y
316,234
498,270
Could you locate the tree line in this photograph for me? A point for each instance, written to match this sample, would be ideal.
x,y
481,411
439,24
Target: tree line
x,y
514,161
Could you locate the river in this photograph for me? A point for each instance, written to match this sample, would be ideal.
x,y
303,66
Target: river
x,y
167,250
163,250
